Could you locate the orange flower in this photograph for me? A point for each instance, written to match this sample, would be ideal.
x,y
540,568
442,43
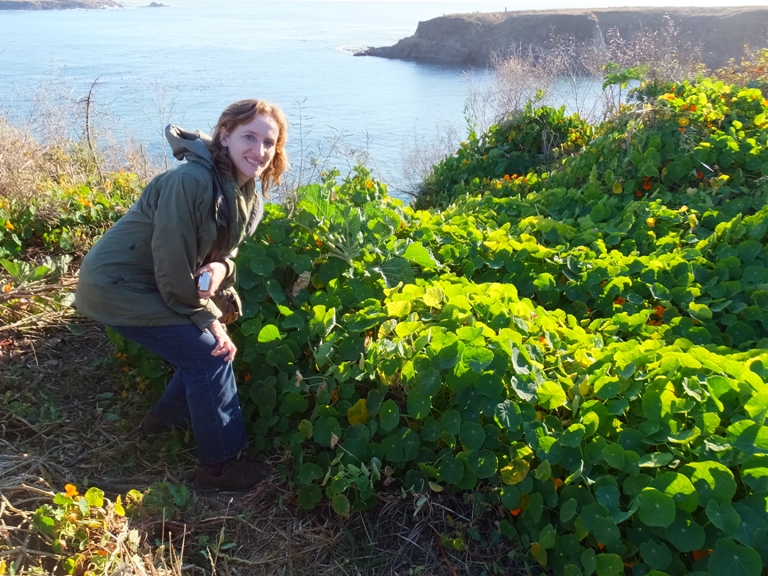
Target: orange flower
x,y
542,339
557,482
682,130
247,377
659,310
647,186
620,301
601,546
684,107
699,175
639,194
515,512
318,243
70,490
9,226
692,108
699,554
369,184
7,288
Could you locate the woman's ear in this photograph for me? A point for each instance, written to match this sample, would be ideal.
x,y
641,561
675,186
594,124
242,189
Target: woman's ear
x,y
224,138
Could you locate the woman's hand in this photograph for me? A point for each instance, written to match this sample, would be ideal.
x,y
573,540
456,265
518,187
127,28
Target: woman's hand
x,y
224,346
219,271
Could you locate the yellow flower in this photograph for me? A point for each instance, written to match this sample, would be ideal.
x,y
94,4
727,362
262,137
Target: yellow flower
x,y
9,226
70,490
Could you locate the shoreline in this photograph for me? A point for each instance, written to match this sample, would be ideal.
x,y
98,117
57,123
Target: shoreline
x,y
475,38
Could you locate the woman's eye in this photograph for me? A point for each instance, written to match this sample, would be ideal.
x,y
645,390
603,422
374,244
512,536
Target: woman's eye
x,y
269,143
249,136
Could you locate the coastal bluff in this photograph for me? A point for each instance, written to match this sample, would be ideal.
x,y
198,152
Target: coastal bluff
x,y
721,32
55,4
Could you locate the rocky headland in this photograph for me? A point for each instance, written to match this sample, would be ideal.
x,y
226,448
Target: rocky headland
x,y
720,33
55,4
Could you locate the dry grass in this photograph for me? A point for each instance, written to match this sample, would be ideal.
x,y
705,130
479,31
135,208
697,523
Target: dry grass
x,y
66,416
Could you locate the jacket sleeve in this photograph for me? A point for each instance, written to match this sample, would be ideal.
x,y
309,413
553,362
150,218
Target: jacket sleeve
x,y
182,205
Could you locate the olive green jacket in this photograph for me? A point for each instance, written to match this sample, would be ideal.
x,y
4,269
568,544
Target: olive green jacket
x,y
141,272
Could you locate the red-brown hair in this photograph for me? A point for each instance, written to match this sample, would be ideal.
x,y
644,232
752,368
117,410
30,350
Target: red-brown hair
x,y
241,113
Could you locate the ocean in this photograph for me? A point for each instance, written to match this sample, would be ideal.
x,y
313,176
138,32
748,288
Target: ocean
x,y
183,64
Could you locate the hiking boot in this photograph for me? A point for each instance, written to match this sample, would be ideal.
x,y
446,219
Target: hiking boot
x,y
236,476
152,425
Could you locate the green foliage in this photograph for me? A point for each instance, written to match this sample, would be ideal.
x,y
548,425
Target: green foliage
x,y
64,218
80,530
531,140
582,349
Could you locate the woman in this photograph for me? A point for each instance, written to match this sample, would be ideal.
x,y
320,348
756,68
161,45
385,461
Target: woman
x,y
140,279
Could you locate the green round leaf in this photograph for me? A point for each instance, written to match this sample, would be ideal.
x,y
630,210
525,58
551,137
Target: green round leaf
x,y
451,470
712,480
732,559
389,415
472,435
341,505
606,531
547,537
656,554
309,472
655,508
685,533
680,488
309,495
294,403
754,472
269,333
451,422
325,429
393,448
551,395
482,463
478,359
724,516
508,416
573,435
419,405
411,444
568,509
747,436
263,265
614,456
610,565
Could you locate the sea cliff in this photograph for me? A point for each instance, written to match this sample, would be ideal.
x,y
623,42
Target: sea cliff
x,y
720,33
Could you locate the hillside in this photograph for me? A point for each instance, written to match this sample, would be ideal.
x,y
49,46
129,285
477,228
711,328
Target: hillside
x,y
721,33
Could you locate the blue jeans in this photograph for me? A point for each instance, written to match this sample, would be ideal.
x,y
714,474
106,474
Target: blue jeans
x,y
202,391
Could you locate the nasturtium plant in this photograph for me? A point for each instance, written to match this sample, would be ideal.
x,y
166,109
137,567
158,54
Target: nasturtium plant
x,y
577,337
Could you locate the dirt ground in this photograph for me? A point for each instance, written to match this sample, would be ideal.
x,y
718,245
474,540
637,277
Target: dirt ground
x,y
69,414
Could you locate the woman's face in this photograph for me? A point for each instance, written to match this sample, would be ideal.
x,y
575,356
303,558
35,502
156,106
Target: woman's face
x,y
252,146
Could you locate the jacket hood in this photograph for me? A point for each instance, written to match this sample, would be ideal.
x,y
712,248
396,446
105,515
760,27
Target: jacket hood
x,y
186,145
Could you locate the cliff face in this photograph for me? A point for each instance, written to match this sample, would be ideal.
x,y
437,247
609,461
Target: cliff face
x,y
475,38
54,4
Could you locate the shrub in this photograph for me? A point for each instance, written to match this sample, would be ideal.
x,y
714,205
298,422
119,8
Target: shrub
x,y
580,350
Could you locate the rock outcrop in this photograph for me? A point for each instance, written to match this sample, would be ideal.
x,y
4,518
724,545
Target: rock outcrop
x,y
720,33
